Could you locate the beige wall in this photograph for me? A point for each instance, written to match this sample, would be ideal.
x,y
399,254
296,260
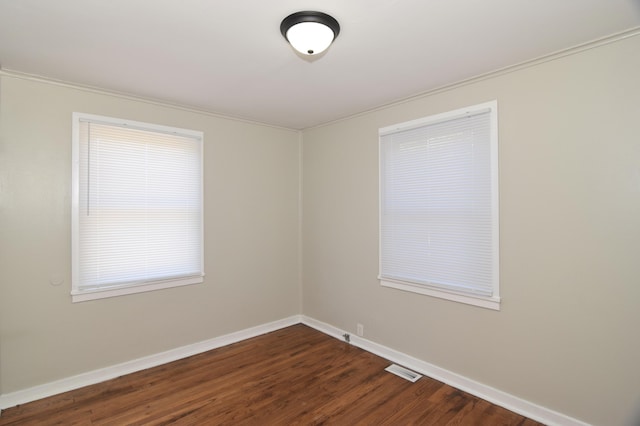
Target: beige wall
x,y
567,337
251,239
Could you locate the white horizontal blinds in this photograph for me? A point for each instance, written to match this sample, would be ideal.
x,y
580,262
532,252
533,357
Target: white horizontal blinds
x,y
140,206
436,205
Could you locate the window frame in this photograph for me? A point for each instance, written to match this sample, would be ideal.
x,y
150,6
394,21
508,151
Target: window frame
x,y
80,294
492,301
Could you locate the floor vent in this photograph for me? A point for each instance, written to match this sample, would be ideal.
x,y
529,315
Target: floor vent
x,y
403,372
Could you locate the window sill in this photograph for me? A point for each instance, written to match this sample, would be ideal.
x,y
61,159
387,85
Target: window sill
x,y
481,301
93,294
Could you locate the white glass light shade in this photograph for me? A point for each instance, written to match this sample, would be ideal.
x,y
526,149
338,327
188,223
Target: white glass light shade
x,y
310,38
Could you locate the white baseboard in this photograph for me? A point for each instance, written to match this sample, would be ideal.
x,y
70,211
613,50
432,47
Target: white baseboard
x,y
495,396
103,374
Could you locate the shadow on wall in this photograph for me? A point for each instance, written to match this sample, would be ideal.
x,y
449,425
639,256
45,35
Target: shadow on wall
x,y
636,3
634,419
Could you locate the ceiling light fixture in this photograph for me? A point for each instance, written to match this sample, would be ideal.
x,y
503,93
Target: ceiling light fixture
x,y
310,33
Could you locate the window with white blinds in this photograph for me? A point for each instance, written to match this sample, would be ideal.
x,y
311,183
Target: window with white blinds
x,y
439,206
137,207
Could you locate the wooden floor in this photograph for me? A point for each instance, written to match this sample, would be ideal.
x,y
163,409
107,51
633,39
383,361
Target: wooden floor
x,y
294,376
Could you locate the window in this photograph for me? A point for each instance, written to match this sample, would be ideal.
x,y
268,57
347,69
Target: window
x,y
136,207
439,206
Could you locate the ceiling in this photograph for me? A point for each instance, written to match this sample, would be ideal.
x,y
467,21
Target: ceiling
x,y
228,57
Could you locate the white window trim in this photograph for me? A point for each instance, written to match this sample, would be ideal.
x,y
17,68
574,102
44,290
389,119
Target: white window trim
x,y
82,295
490,302
85,295
484,302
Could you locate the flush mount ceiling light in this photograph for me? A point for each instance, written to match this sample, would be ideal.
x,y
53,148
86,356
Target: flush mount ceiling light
x,y
310,33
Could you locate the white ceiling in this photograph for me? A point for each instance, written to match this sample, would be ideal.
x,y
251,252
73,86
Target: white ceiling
x,y
228,57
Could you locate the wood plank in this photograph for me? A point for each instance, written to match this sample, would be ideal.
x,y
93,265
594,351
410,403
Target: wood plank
x,y
293,376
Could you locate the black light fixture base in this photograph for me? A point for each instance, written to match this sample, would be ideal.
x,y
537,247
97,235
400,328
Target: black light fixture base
x,y
309,16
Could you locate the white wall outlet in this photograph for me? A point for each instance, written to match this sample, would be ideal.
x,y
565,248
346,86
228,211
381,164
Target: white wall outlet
x,y
360,330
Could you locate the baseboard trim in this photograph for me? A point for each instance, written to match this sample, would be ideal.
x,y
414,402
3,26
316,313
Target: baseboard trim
x,y
103,374
495,396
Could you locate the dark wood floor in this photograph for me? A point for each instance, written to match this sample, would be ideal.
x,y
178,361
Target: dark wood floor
x,y
294,376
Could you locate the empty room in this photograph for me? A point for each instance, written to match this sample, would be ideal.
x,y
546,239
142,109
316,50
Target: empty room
x,y
332,212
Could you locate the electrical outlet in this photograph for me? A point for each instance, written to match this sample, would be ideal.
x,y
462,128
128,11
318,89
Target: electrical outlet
x,y
360,330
